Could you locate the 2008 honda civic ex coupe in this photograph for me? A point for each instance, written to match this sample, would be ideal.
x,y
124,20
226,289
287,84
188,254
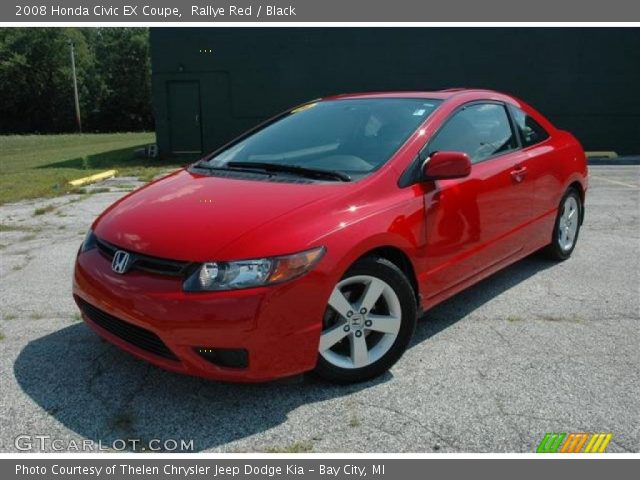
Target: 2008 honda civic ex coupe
x,y
314,240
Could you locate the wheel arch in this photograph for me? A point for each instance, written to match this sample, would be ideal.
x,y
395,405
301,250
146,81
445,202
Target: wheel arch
x,y
400,259
577,186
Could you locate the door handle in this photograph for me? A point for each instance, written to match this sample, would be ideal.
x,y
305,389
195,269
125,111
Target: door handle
x,y
519,173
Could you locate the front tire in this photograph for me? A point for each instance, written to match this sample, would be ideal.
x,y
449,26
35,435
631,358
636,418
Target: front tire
x,y
567,227
367,326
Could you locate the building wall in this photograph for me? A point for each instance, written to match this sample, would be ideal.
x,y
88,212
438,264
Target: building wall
x,y
586,80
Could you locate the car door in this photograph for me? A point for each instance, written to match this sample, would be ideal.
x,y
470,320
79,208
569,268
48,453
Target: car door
x,y
475,223
542,161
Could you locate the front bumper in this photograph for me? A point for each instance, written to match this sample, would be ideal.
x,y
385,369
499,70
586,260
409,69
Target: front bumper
x,y
278,326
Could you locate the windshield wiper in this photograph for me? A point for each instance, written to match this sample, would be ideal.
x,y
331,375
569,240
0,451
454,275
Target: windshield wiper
x,y
205,165
297,169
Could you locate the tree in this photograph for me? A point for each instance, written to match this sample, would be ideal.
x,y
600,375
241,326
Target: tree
x,y
35,78
123,64
114,79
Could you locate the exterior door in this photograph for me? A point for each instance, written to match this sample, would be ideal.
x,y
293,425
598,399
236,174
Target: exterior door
x,y
477,222
184,117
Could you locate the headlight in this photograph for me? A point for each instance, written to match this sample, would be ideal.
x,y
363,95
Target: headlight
x,y
89,242
212,276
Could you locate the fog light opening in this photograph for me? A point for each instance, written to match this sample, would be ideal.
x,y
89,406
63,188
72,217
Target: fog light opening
x,y
225,357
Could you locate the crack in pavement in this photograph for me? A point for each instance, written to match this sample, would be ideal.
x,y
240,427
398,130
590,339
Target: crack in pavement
x,y
439,436
483,379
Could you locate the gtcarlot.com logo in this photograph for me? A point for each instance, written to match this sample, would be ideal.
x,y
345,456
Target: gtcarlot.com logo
x,y
574,443
46,443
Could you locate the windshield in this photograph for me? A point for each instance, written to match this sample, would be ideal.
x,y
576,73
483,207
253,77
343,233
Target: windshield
x,y
354,137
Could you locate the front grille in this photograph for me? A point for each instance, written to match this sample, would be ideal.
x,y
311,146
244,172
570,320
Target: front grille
x,y
137,336
146,263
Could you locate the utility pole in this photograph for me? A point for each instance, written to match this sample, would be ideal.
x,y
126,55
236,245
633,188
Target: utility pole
x,y
75,86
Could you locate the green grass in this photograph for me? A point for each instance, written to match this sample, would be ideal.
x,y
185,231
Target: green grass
x,y
33,166
573,318
297,447
43,210
15,228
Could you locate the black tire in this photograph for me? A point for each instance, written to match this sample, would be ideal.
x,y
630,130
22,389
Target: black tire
x,y
555,251
389,273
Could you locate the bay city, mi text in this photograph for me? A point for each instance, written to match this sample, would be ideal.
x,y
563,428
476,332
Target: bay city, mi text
x,y
266,470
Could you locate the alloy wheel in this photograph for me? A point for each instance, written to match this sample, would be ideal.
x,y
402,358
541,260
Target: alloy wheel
x,y
362,322
568,223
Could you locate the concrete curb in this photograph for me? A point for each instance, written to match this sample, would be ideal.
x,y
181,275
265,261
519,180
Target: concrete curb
x,y
620,161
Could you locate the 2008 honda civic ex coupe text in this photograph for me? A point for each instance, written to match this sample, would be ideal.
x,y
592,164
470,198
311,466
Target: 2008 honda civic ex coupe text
x,y
314,240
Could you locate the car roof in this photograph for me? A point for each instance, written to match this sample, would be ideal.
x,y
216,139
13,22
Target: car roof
x,y
434,94
452,96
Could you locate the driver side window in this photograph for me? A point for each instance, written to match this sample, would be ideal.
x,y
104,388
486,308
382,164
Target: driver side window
x,y
480,130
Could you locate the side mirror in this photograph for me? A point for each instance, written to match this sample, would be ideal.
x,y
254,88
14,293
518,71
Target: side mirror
x,y
446,165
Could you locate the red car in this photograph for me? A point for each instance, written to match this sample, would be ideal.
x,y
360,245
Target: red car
x,y
314,240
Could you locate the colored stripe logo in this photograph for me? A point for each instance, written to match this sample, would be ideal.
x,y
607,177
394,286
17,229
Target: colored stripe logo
x,y
574,442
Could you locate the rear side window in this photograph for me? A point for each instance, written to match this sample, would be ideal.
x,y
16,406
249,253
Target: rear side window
x,y
531,132
480,130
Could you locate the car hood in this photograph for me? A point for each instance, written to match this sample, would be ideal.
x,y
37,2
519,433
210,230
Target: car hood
x,y
192,217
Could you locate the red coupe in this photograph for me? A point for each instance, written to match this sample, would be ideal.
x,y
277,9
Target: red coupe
x,y
313,241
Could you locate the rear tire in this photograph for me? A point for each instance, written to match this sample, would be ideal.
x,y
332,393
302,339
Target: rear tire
x,y
368,324
566,228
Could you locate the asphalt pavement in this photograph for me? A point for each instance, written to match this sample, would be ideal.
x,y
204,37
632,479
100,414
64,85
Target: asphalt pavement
x,y
540,347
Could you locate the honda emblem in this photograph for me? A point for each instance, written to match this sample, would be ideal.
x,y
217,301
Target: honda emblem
x,y
121,262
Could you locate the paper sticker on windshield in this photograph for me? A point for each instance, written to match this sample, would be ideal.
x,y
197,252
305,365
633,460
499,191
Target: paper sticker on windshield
x,y
304,107
419,112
